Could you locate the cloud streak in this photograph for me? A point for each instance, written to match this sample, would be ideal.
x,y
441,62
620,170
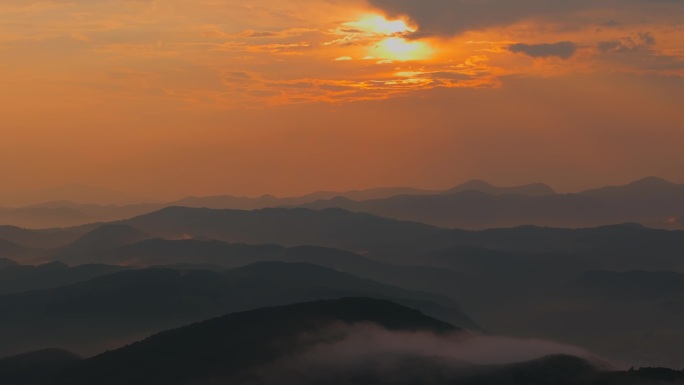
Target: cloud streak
x,y
563,50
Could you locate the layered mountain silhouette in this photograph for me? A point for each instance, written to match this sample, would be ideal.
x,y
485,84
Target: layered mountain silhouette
x,y
69,192
632,285
35,367
289,227
44,217
42,239
477,210
4,262
231,347
16,278
101,285
535,189
306,343
12,250
475,204
113,309
103,238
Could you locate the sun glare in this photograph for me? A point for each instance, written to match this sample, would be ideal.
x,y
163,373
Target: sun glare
x,y
397,48
392,44
380,25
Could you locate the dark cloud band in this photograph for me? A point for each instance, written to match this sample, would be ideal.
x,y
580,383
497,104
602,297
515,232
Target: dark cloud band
x,y
452,17
563,49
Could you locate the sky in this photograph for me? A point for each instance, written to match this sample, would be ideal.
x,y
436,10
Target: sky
x,y
167,98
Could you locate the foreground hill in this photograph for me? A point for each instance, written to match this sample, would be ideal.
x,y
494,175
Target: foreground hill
x,y
114,309
230,347
35,367
344,341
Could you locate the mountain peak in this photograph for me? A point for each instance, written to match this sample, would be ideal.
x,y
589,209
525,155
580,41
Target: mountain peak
x,y
641,187
533,189
651,182
475,183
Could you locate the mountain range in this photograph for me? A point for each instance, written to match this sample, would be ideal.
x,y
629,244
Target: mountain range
x,y
475,204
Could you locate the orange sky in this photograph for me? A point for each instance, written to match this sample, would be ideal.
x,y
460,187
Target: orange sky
x,y
176,97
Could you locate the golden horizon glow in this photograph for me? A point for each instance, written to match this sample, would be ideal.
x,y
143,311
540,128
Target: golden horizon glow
x,y
275,93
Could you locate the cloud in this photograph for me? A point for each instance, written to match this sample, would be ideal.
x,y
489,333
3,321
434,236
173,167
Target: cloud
x,y
563,49
453,17
639,52
641,42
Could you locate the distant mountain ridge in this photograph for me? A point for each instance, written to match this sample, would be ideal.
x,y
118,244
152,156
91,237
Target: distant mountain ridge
x,y
70,192
534,189
475,204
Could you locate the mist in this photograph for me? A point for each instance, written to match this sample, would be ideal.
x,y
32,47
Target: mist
x,y
364,351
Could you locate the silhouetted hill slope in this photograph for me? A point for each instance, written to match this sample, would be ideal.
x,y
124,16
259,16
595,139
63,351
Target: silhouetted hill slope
x,y
159,251
287,227
639,188
299,345
477,210
100,213
228,202
44,217
648,199
475,204
4,262
534,189
618,247
270,201
228,348
41,239
214,254
287,277
18,278
632,285
478,205
12,250
90,316
103,238
70,192
35,367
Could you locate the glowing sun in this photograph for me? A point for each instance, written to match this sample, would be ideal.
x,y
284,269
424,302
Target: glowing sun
x,y
380,25
392,43
397,48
